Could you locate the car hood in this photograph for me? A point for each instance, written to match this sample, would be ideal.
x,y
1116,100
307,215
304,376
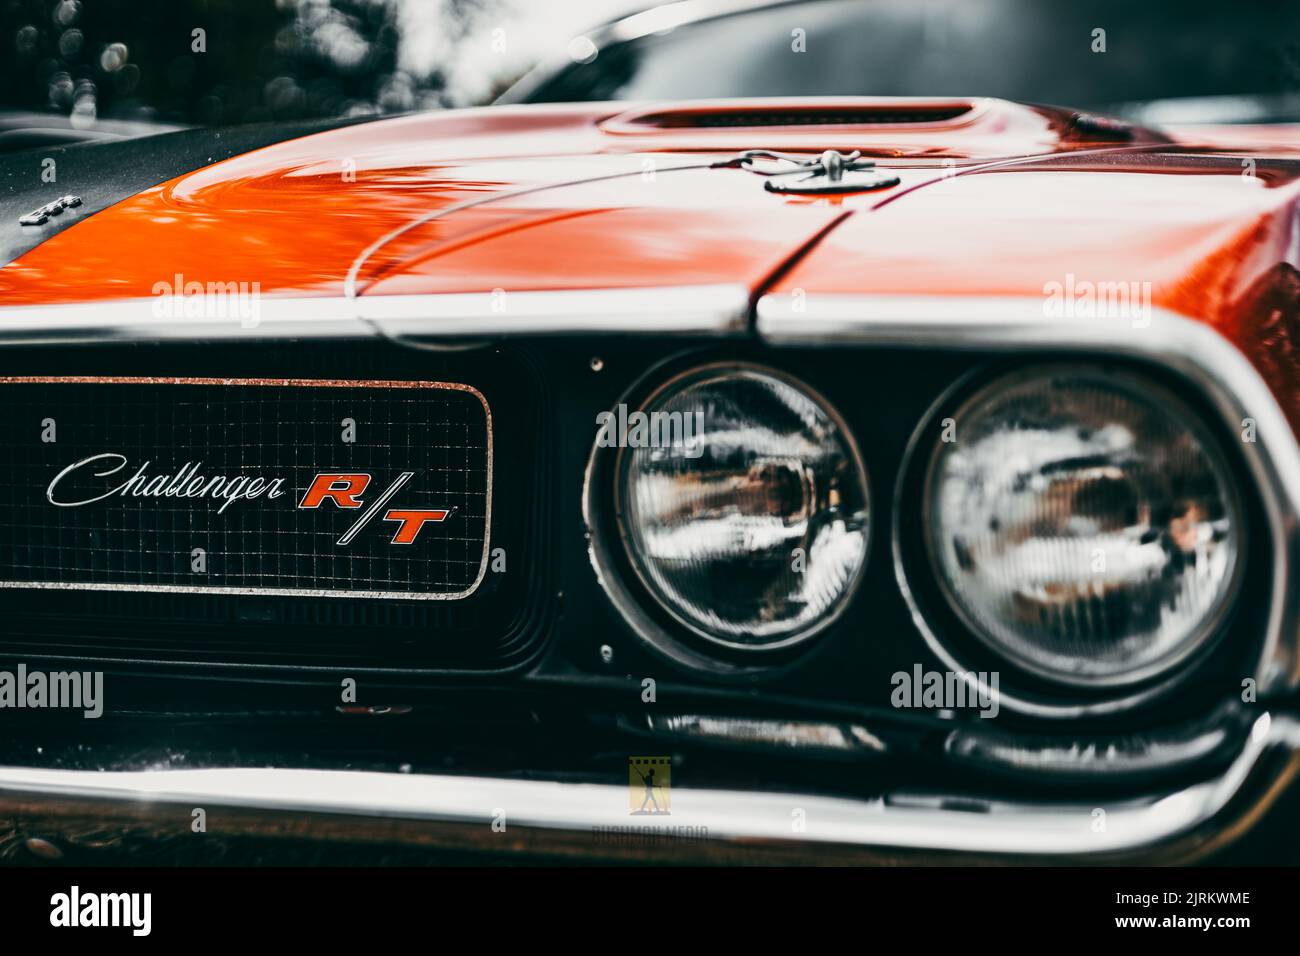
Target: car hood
x,y
993,198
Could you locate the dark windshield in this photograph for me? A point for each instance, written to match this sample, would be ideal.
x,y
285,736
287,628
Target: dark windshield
x,y
1096,54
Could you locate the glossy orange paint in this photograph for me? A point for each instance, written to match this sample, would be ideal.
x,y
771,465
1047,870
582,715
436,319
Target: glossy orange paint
x,y
1195,231
294,216
994,199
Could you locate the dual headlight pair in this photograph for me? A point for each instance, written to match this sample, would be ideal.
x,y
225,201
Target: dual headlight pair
x,y
1081,523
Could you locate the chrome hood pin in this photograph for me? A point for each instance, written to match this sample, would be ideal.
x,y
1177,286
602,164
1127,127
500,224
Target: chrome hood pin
x,y
831,173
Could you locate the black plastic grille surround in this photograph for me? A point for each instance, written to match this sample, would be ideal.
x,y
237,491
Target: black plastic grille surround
x,y
199,485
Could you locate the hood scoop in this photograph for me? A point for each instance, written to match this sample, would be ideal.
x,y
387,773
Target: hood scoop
x,y
874,114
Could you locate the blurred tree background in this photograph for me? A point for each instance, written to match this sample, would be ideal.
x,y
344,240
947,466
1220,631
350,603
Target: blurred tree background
x,y
251,60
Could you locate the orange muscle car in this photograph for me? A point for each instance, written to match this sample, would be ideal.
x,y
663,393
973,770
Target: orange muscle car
x,y
679,459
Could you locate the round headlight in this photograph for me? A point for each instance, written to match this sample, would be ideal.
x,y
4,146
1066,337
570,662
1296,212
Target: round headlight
x,y
1084,524
752,529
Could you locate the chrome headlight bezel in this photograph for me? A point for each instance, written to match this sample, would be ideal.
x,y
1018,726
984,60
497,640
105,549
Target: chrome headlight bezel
x,y
625,580
956,639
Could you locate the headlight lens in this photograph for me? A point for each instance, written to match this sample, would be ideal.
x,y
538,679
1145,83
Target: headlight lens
x,y
1084,524
754,534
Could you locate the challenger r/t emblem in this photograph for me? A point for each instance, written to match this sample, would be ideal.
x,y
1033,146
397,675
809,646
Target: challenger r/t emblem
x,y
81,484
39,217
346,491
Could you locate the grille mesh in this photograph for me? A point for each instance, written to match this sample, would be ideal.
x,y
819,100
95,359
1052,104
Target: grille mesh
x,y
269,429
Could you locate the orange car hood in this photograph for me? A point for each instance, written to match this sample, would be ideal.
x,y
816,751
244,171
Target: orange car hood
x,y
1001,199
996,201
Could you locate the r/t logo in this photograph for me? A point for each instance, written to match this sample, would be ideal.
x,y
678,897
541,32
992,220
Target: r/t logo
x,y
346,491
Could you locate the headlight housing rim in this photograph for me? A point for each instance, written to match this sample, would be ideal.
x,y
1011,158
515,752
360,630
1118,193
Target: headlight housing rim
x,y
1175,411
626,582
946,633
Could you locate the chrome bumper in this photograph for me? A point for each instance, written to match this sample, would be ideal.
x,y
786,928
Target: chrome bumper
x,y
592,820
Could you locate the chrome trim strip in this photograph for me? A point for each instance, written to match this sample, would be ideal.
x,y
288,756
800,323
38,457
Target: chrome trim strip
x,y
1019,324
697,309
393,384
135,320
917,822
721,309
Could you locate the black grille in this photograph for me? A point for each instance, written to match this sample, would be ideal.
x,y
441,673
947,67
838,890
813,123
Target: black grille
x,y
173,452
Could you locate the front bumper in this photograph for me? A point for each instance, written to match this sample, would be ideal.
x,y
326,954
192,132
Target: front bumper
x,y
558,819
